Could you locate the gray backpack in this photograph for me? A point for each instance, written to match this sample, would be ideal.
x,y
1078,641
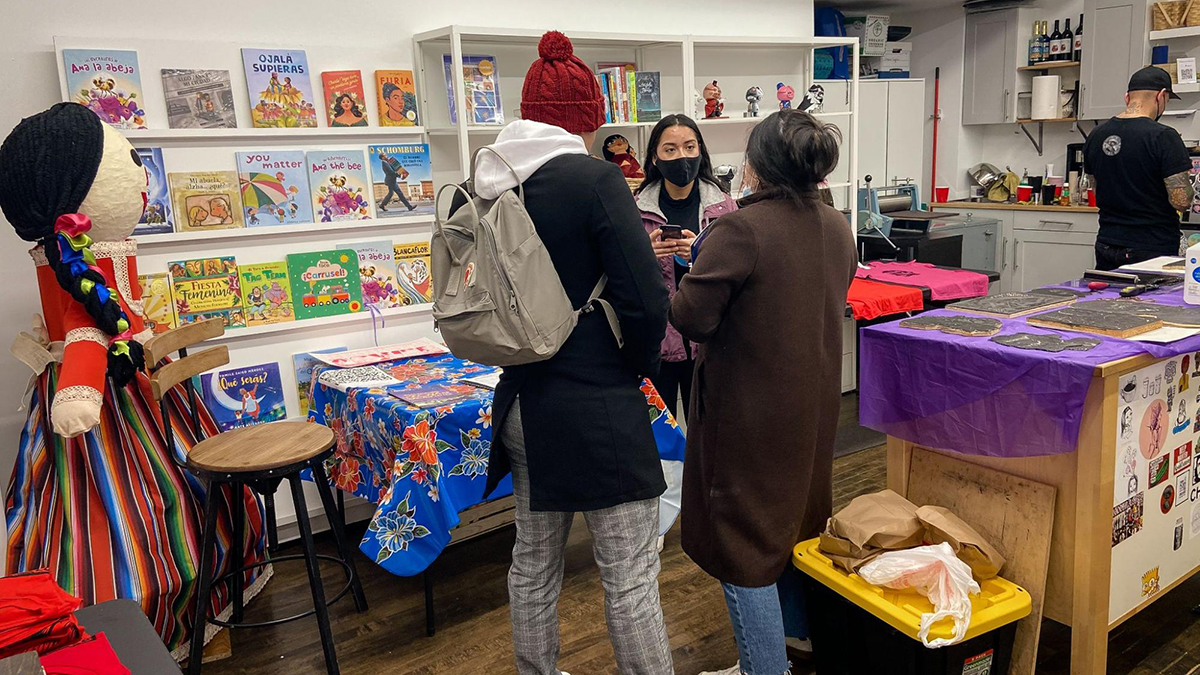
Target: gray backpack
x,y
497,298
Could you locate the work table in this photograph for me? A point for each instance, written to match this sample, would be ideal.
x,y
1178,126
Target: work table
x,y
1004,206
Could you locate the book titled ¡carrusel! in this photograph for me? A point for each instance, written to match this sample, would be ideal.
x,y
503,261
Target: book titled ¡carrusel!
x,y
397,94
280,88
108,82
266,293
206,200
325,283
274,187
204,288
242,397
337,180
198,99
345,104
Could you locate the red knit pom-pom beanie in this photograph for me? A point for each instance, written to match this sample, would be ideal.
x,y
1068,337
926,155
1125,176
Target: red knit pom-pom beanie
x,y
560,89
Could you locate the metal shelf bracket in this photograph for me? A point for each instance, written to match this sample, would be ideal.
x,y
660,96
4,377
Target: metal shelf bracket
x,y
1037,144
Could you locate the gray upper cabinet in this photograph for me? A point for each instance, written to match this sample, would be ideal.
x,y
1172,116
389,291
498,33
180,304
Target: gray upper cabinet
x,y
1114,48
990,76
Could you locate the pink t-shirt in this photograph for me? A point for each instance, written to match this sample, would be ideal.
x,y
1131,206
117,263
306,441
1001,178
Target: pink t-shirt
x,y
943,284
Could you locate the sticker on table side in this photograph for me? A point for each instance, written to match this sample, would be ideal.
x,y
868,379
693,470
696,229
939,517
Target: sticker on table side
x,y
1129,388
1183,488
1169,371
1167,501
1196,424
1045,343
1128,517
1196,361
1150,582
1154,429
1151,387
1160,469
1182,421
1171,399
967,326
1178,543
1183,457
1194,530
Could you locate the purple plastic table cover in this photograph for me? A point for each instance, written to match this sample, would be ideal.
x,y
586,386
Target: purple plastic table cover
x,y
974,396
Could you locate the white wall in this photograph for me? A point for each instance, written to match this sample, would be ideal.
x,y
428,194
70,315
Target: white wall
x,y
27,53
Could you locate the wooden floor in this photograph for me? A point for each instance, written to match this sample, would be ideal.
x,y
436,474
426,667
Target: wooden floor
x,y
473,633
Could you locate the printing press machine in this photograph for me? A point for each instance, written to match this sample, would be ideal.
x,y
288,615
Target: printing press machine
x,y
892,226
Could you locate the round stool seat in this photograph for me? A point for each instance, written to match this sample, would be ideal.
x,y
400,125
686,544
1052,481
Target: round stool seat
x,y
261,447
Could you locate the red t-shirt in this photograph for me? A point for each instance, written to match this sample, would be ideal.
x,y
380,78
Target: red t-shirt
x,y
870,299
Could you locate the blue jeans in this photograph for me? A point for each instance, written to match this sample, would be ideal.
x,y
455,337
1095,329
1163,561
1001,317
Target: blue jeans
x,y
761,618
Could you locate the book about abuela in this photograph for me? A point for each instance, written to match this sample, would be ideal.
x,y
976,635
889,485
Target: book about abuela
x,y
108,82
345,104
204,288
337,180
273,185
280,88
266,293
198,99
401,180
242,397
325,283
397,94
156,219
206,200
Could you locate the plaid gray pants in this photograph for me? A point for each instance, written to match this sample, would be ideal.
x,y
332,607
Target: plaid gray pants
x,y
624,544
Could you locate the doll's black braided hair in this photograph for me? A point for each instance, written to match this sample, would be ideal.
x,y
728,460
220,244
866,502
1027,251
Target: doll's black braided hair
x,y
47,166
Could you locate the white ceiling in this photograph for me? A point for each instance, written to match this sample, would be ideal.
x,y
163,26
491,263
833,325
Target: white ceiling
x,y
893,5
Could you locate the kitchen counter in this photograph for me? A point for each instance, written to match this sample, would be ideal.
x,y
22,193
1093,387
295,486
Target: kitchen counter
x,y
1000,206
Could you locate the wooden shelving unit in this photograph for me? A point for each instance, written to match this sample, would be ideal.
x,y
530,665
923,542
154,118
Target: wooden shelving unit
x,y
1050,66
1053,121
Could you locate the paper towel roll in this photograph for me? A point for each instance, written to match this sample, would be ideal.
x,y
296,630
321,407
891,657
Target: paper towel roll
x,y
1045,97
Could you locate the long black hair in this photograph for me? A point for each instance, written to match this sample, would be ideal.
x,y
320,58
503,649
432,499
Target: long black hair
x,y
653,175
337,106
792,152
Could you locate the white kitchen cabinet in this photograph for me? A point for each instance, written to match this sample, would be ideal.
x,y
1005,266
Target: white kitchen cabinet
x,y
1048,257
1057,221
989,67
905,133
1114,48
873,131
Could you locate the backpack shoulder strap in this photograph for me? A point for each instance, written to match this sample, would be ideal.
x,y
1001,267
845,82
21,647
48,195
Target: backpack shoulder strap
x,y
475,157
438,221
594,299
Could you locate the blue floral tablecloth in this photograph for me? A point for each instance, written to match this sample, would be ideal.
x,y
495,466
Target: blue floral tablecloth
x,y
423,466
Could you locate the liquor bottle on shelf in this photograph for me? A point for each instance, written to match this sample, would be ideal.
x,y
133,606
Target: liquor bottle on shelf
x,y
1035,45
1078,51
1066,49
1045,41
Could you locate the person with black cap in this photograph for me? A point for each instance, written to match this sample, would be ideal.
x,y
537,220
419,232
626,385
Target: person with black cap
x,y
1141,169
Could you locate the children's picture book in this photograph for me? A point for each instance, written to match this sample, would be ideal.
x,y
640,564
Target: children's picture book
x,y
337,180
266,293
156,219
198,99
204,288
108,82
649,96
377,271
242,397
481,89
345,102
281,93
206,200
158,306
397,95
274,187
413,273
303,363
325,283
401,180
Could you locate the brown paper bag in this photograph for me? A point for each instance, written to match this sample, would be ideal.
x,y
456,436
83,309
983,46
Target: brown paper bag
x,y
869,525
942,525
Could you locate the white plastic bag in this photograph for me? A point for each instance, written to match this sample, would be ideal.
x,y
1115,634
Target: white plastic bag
x,y
936,573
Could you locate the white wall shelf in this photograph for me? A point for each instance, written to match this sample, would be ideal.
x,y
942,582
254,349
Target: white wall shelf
x,y
265,231
143,136
1185,88
762,115
1172,33
323,322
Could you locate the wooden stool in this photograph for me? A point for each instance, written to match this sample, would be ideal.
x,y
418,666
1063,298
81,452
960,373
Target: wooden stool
x,y
260,457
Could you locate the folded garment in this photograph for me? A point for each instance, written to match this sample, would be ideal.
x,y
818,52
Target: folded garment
x,y
36,615
943,284
871,299
93,656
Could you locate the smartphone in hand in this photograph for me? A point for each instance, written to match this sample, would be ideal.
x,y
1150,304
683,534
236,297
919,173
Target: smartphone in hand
x,y
671,232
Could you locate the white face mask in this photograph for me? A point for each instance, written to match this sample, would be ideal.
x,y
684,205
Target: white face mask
x,y
749,181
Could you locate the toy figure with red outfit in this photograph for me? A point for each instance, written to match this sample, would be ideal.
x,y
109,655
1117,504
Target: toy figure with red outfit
x,y
617,151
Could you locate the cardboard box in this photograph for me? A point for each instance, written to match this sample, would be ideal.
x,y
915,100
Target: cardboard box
x,y
871,31
896,60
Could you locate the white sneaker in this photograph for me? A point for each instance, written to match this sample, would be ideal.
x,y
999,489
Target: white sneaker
x,y
661,540
735,669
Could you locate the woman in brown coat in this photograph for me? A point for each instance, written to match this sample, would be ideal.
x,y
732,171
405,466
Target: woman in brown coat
x,y
765,299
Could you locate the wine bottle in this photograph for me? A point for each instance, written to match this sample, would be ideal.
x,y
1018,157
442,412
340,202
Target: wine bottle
x,y
1079,41
1035,45
1066,48
1055,42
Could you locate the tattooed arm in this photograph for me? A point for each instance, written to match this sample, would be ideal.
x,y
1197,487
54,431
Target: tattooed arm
x,y
1179,191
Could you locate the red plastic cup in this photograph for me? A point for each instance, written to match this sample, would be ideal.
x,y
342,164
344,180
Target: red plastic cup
x,y
1091,196
941,194
1024,193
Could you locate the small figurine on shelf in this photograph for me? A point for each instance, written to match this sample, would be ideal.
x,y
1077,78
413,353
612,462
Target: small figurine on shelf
x,y
814,100
753,96
698,104
714,105
785,94
617,151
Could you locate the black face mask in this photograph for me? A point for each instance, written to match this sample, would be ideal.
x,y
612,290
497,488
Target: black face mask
x,y
680,171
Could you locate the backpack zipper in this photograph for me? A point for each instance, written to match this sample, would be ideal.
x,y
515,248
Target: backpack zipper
x,y
512,294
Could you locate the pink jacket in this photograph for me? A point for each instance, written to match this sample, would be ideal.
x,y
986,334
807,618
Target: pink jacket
x,y
713,204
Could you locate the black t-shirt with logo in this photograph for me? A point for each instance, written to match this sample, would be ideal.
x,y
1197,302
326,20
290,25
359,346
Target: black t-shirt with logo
x,y
1131,158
